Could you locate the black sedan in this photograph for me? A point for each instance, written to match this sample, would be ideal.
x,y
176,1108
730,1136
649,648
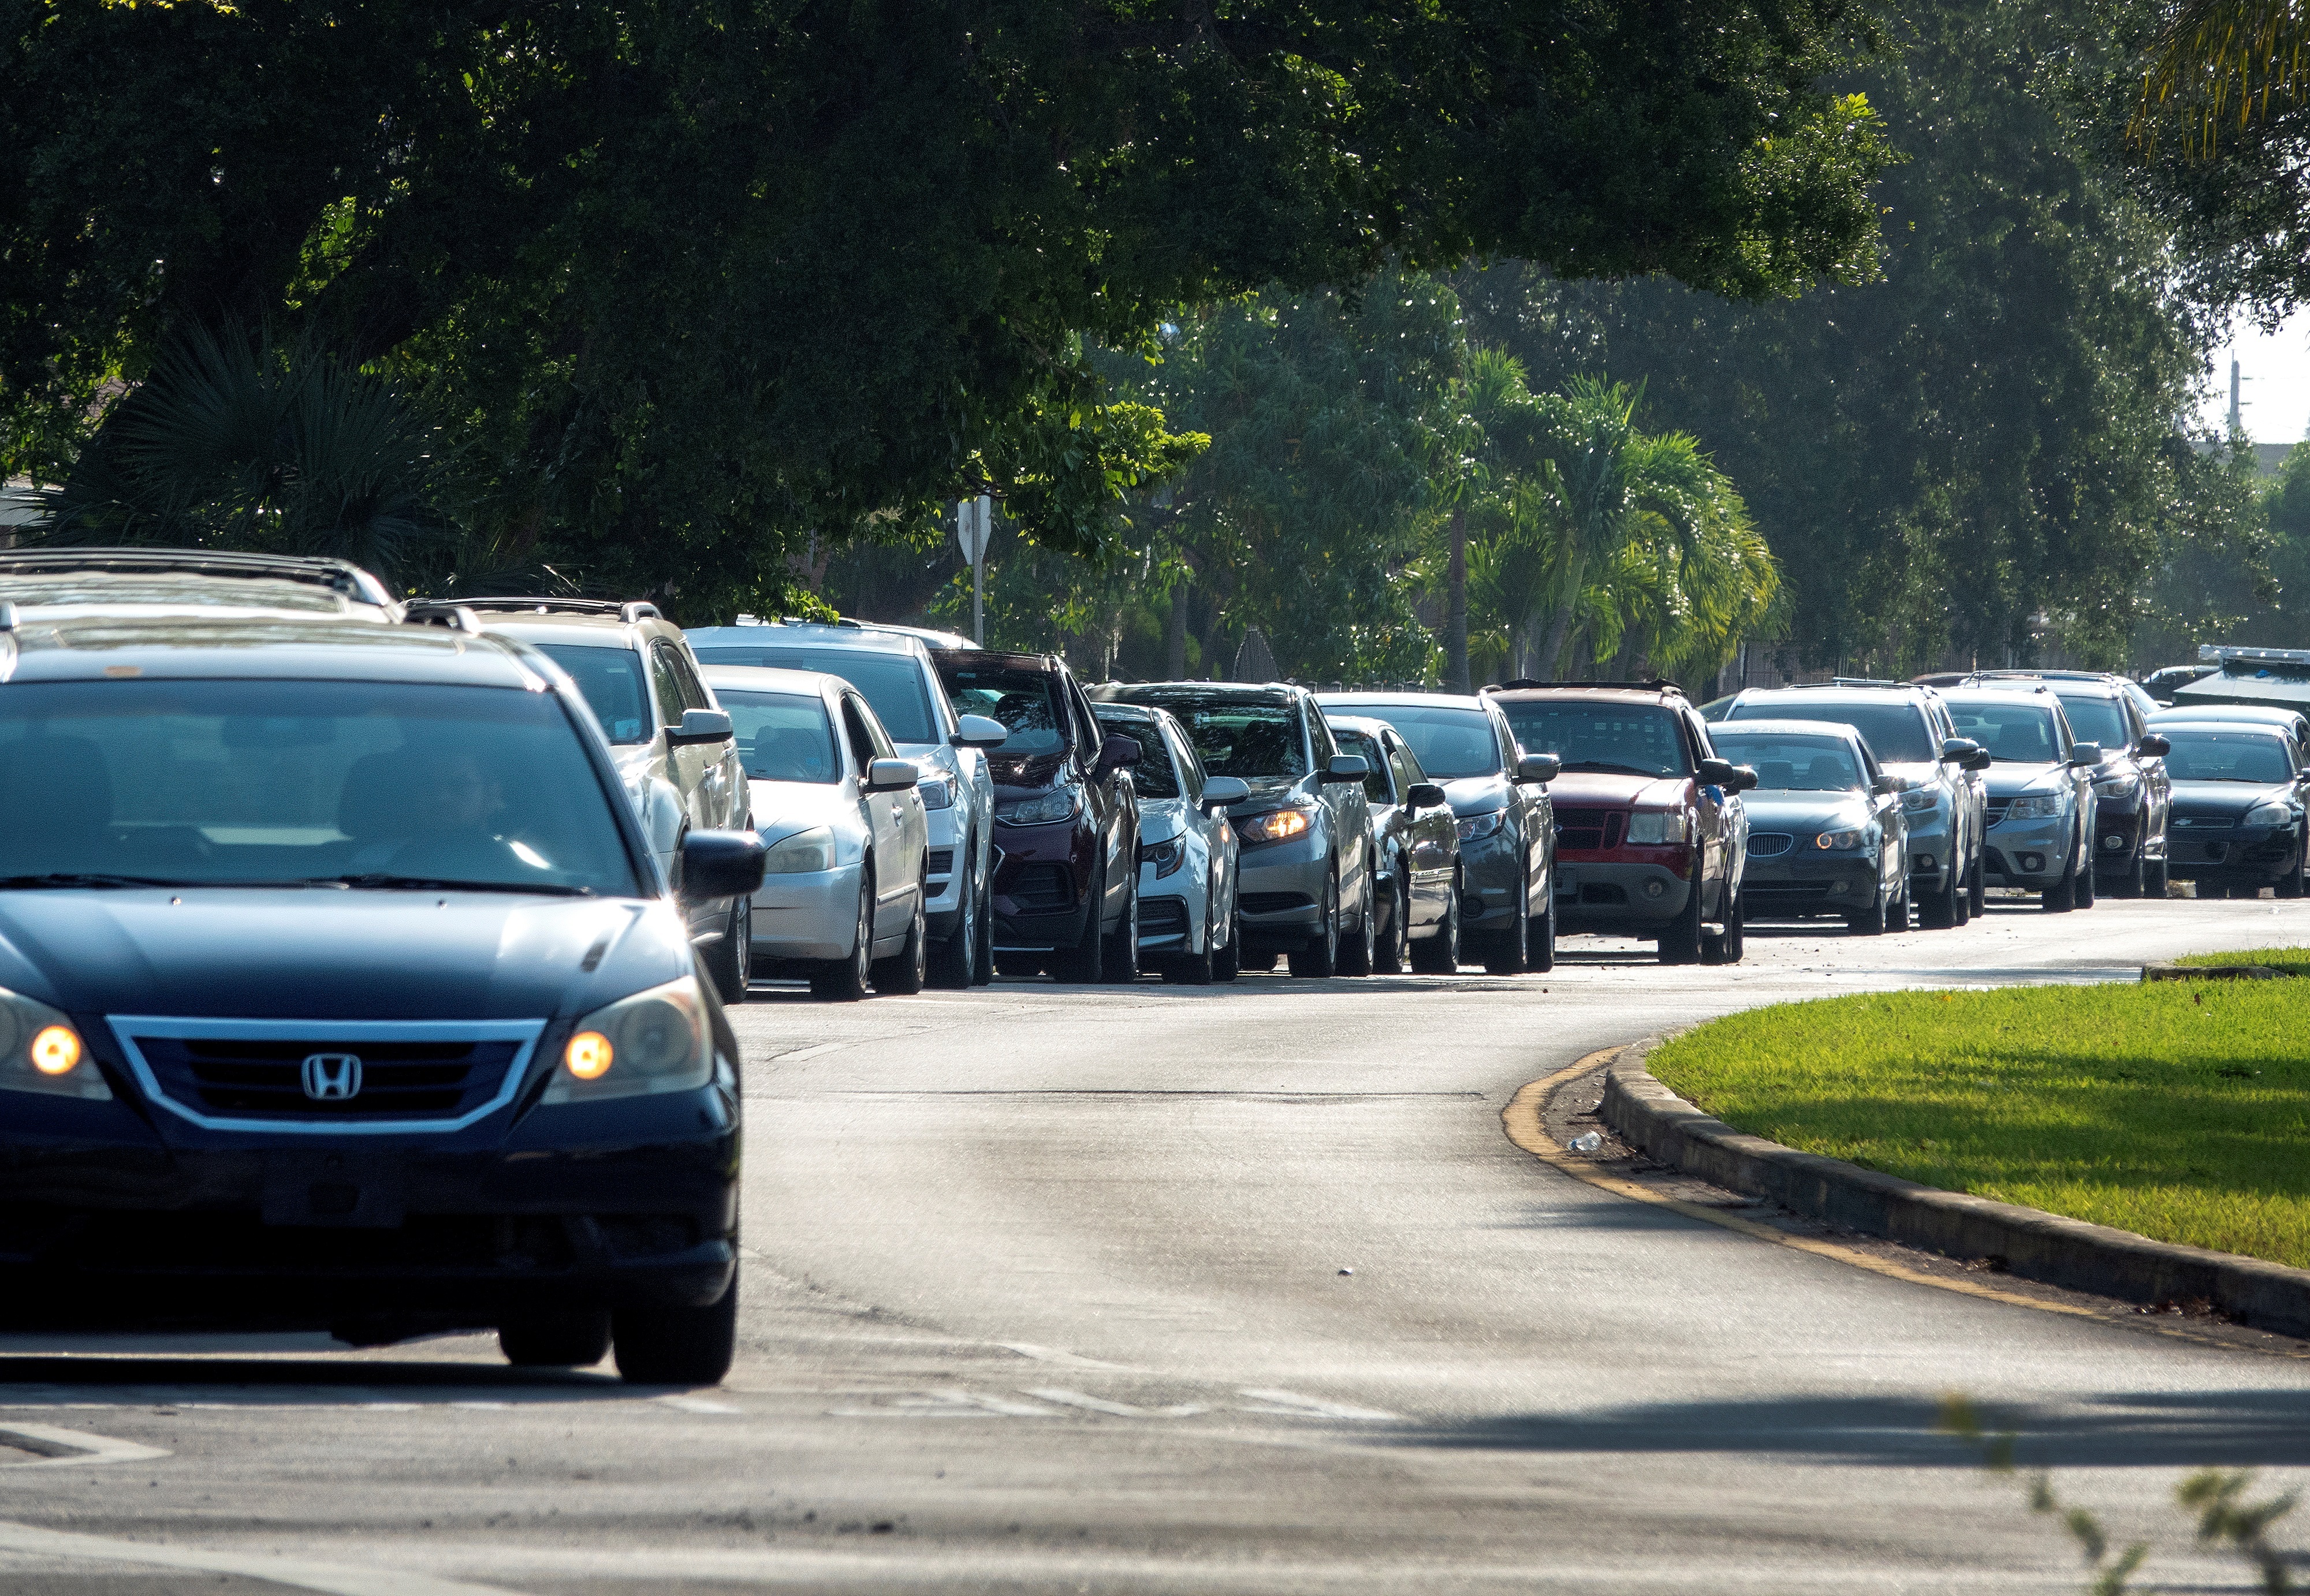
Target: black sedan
x,y
1826,833
2238,824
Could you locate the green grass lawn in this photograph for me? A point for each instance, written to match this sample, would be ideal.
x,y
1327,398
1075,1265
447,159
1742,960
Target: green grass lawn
x,y
2178,1110
2286,961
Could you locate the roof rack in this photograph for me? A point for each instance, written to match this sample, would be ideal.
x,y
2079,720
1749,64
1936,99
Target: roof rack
x,y
1657,684
338,576
2038,676
1836,681
624,609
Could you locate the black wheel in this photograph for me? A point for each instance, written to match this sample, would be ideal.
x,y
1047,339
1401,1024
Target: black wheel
x,y
2155,879
1227,961
901,974
954,964
1870,922
572,1339
1120,959
1680,942
2133,881
729,962
2291,887
1388,953
1320,958
1897,909
1360,952
844,980
1085,961
1539,952
2061,896
662,1345
1978,889
986,932
2248,891
2084,887
1438,954
1734,940
1940,909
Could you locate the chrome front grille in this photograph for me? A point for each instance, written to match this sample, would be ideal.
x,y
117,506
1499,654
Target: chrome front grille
x,y
1768,844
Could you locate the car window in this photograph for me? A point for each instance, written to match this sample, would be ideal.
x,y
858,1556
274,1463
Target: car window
x,y
611,680
1601,736
891,682
1376,781
877,738
1793,762
1086,723
2097,719
695,693
1451,743
664,686
1191,768
783,736
1505,734
1237,736
1024,699
1896,731
1156,776
1319,733
2020,733
1407,768
292,781
2229,756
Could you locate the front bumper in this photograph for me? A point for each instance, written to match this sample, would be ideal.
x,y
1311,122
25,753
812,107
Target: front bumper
x,y
813,914
1280,892
2031,854
1492,877
2118,839
2259,856
1043,886
1630,897
103,1223
1792,887
944,865
1931,842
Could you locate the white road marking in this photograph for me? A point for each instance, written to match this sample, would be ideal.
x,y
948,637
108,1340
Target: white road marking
x,y
1068,1360
698,1405
59,1448
800,1054
947,1404
1308,1406
1076,1399
337,1579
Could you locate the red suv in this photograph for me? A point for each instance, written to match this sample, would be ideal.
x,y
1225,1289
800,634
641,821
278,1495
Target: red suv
x,y
1651,837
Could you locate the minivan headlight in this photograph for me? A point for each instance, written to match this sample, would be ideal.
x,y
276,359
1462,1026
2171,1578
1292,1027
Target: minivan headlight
x,y
803,852
40,1051
2035,806
655,1041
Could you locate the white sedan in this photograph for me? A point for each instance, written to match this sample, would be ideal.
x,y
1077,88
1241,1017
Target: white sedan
x,y
842,897
1186,850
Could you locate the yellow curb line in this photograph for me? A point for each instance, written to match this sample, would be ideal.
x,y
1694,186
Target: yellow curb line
x,y
1521,1119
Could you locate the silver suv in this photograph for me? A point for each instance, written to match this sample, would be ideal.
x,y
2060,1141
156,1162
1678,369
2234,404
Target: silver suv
x,y
196,584
891,668
671,740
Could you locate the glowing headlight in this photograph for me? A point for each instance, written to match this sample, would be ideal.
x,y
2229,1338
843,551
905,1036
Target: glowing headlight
x,y
2038,806
655,1041
1057,805
40,1051
803,852
937,791
1917,800
2268,814
1657,826
1842,842
1476,827
1273,827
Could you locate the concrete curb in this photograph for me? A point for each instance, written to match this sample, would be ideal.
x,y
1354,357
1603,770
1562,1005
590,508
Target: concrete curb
x,y
2209,972
2037,1246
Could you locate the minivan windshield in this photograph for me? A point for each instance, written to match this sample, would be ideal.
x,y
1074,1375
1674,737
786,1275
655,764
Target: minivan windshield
x,y
1026,701
1895,732
1453,744
892,682
266,783
1600,735
781,736
2227,756
1787,762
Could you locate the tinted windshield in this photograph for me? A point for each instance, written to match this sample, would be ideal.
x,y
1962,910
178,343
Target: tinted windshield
x,y
1367,748
1599,735
1451,743
2019,734
282,781
783,736
2227,756
892,682
1025,701
2097,720
1895,732
1154,777
611,680
1792,764
1243,737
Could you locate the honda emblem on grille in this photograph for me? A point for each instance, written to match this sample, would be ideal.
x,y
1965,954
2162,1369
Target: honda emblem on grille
x,y
332,1077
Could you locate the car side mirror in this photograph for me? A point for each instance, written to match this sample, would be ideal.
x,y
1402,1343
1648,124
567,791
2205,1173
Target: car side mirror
x,y
1541,769
1224,792
1747,782
979,730
1118,752
1425,794
722,864
1956,750
1347,768
891,776
1720,773
701,725
1980,759
2082,754
2152,746
1883,786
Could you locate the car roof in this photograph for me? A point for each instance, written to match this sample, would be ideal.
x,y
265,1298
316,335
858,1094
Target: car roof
x,y
2265,713
1366,725
1576,692
563,623
93,647
770,679
1785,728
1250,692
2000,692
965,658
2263,728
864,638
2063,683
212,583
1413,700
1830,691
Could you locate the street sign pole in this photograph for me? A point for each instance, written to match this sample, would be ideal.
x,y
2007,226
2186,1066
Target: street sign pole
x,y
972,520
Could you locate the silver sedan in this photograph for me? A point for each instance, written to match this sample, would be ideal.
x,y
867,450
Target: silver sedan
x,y
842,897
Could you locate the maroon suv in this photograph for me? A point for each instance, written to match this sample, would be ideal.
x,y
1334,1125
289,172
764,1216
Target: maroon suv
x,y
1066,818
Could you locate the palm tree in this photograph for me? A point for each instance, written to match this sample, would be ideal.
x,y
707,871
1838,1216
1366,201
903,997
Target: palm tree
x,y
2219,60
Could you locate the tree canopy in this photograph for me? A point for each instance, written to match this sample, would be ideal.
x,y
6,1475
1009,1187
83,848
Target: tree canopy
x,y
691,282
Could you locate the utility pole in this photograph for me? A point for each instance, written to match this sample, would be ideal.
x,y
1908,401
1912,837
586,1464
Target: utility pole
x,y
972,518
2237,421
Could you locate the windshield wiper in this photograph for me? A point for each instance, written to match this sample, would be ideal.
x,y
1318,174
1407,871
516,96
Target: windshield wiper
x,y
69,878
384,881
1607,765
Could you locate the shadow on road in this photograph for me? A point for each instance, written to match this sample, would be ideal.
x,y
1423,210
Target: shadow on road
x,y
216,1379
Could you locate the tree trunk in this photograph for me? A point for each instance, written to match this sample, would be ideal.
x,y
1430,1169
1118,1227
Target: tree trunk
x,y
1175,634
1455,613
1560,629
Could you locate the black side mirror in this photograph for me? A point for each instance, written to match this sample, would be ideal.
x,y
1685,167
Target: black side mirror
x,y
721,864
1541,769
2152,746
1118,752
1883,786
1747,777
1979,759
1956,750
1347,768
1426,795
1720,773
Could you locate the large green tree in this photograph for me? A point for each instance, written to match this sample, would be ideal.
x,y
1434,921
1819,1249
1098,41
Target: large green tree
x,y
691,282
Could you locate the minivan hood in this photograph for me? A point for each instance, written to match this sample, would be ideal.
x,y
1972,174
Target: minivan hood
x,y
2006,780
329,953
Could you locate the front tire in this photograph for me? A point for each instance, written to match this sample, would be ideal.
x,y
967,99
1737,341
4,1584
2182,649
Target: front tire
x,y
1870,922
1360,952
2084,887
659,1344
1319,960
844,980
1725,947
1227,962
1119,960
2155,879
2061,896
1084,963
955,965
570,1339
729,962
1680,942
1389,954
1440,955
901,974
1940,910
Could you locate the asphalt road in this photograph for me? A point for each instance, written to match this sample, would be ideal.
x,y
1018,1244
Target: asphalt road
x,y
1046,1290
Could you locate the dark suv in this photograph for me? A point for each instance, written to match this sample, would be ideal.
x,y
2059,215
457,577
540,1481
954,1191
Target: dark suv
x,y
1651,838
339,989
1066,817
